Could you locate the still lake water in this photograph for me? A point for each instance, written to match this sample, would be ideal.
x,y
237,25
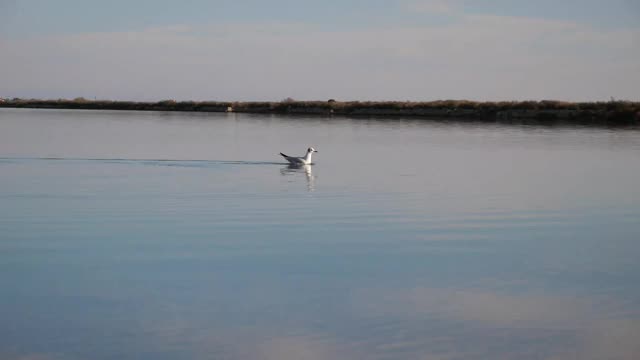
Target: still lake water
x,y
149,235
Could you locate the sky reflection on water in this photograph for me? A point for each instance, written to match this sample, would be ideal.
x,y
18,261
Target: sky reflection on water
x,y
406,239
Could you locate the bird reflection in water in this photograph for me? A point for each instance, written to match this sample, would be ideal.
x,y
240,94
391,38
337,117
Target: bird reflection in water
x,y
293,169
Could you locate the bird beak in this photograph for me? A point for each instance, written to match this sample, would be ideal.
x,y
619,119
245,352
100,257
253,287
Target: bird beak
x,y
315,150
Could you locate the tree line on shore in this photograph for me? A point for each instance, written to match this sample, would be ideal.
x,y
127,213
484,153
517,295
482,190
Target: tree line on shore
x,y
610,112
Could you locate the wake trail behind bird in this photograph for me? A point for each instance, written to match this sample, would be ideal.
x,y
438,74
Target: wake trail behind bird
x,y
159,162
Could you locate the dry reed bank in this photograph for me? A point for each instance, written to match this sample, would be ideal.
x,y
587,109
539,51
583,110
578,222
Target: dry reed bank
x,y
586,113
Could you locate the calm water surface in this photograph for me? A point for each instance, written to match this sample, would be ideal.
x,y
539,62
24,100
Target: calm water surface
x,y
132,235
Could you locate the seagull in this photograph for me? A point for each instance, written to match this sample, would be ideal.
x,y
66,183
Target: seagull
x,y
305,160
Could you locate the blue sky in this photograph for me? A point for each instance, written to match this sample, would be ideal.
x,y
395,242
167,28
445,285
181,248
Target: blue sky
x,y
22,17
375,49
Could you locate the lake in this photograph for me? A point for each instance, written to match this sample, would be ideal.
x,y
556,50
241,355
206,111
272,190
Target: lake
x,y
151,235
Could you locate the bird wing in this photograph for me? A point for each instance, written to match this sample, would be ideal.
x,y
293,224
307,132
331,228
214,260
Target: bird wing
x,y
291,159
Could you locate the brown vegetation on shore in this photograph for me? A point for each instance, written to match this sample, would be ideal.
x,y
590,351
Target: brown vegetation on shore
x,y
610,112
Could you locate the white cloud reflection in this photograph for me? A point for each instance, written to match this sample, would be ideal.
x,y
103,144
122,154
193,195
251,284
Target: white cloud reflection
x,y
420,323
297,348
581,328
31,356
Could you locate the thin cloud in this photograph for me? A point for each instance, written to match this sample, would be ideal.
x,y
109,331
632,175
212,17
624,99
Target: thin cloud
x,y
433,6
477,57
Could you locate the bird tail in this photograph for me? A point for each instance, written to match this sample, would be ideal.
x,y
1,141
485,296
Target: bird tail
x,y
284,155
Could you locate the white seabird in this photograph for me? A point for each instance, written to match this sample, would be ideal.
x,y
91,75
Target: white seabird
x,y
304,160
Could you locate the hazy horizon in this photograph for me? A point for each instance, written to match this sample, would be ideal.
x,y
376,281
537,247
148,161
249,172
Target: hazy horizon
x,y
353,50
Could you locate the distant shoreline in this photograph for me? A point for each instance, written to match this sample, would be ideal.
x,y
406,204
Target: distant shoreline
x,y
585,113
